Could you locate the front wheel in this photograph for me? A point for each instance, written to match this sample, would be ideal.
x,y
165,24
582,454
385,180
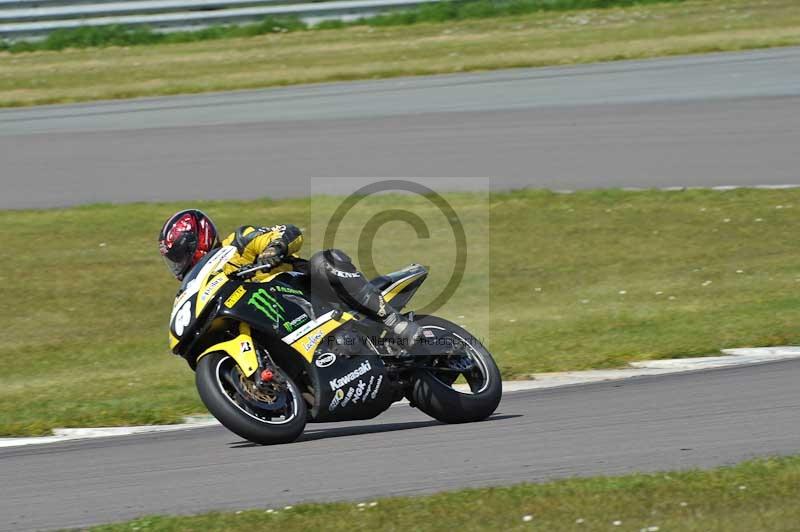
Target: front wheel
x,y
434,388
275,414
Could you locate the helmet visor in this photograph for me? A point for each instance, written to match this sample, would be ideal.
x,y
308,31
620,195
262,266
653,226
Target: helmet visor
x,y
179,254
178,268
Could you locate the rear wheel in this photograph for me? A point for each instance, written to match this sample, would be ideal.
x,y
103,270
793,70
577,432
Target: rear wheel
x,y
435,390
272,414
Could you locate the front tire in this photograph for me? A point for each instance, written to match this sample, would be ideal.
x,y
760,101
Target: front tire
x,y
216,376
433,392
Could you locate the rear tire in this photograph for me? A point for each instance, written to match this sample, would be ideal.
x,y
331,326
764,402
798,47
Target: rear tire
x,y
221,402
440,401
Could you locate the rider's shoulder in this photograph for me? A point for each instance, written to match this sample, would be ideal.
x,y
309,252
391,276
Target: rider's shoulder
x,y
240,233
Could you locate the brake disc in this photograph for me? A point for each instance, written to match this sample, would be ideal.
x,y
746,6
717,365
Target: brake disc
x,y
269,396
266,393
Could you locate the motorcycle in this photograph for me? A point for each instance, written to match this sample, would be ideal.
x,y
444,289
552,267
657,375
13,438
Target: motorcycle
x,y
269,358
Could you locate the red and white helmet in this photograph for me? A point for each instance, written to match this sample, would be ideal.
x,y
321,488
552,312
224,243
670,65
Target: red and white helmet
x,y
185,239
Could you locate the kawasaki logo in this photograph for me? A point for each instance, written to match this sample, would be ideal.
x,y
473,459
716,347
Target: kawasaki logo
x,y
268,305
356,373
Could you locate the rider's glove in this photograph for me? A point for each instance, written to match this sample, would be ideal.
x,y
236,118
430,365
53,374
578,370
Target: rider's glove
x,y
273,255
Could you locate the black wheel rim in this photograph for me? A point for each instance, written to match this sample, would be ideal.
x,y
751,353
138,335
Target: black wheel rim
x,y
476,375
276,406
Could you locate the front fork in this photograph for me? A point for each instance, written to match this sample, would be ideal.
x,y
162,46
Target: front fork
x,y
268,374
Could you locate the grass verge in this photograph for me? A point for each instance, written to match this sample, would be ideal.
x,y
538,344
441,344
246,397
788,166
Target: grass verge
x,y
586,280
757,495
384,50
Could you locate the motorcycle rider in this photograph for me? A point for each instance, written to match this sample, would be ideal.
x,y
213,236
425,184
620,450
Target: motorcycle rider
x,y
189,235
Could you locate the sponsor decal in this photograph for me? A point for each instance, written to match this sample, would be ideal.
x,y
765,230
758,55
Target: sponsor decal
x,y
212,287
286,290
362,391
369,387
346,275
343,381
268,305
427,333
360,387
348,396
290,325
337,398
325,360
246,346
235,297
299,333
312,341
377,387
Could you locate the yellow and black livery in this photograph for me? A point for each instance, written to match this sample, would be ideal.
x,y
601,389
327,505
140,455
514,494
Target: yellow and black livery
x,y
274,314
251,241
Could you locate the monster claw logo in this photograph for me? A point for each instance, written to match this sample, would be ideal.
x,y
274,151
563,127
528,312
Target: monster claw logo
x,y
267,304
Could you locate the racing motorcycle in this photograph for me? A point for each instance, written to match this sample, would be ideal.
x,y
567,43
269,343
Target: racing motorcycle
x,y
269,358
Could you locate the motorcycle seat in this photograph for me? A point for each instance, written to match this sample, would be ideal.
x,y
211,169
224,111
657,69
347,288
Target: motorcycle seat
x,y
383,282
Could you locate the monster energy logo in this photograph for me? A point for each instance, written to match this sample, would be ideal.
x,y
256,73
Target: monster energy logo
x,y
267,304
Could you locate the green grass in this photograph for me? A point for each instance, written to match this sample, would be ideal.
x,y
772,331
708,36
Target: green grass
x,y
464,41
87,298
92,37
116,35
758,495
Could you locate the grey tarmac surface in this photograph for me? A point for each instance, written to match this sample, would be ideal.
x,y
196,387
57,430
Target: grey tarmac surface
x,y
700,419
718,119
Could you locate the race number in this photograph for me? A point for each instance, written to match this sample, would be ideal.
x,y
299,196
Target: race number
x,y
183,318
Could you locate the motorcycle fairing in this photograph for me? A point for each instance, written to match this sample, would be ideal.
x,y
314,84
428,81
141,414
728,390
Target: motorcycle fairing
x,y
210,284
350,387
199,289
272,305
306,339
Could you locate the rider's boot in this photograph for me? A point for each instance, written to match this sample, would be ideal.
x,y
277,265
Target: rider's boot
x,y
406,330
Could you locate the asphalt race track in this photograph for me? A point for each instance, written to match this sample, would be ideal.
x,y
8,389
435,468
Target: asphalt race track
x,y
720,119
701,419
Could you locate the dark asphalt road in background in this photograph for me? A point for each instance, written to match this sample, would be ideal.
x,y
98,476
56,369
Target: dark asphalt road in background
x,y
654,423
720,119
